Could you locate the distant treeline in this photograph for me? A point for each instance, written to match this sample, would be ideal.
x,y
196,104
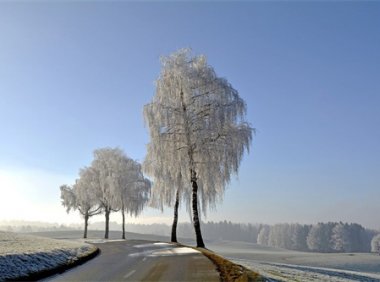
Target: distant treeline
x,y
321,237
28,228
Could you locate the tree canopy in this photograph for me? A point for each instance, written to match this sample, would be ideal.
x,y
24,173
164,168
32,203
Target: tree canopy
x,y
113,182
198,132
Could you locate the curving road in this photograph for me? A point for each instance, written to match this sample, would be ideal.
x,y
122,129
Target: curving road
x,y
139,260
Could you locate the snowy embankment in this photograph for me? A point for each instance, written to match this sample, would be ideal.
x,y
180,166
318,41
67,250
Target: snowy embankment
x,y
289,272
24,255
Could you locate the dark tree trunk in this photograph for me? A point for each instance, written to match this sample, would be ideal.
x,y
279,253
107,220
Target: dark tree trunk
x,y
107,214
123,216
197,225
193,175
175,220
86,216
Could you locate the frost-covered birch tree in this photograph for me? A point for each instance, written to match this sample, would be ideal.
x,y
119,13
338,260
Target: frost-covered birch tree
x,y
198,134
82,197
121,184
104,166
130,188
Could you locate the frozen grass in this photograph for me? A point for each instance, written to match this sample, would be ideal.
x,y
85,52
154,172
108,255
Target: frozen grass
x,y
284,265
230,271
22,256
361,262
290,273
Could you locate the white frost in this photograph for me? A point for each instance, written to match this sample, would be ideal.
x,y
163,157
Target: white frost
x,y
162,244
290,272
162,249
175,251
22,255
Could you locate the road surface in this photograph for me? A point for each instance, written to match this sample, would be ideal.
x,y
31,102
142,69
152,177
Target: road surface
x,y
139,260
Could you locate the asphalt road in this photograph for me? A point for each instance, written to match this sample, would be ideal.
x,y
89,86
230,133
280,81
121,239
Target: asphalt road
x,y
139,260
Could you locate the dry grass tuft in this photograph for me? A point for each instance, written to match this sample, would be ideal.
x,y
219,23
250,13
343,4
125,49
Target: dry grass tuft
x,y
230,271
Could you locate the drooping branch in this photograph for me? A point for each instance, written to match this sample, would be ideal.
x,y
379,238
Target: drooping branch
x,y
200,128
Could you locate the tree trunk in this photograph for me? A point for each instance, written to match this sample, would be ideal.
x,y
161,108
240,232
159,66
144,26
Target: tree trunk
x,y
175,220
193,175
86,216
107,214
197,225
123,216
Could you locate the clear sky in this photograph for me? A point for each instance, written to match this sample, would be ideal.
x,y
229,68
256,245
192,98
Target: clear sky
x,y
74,76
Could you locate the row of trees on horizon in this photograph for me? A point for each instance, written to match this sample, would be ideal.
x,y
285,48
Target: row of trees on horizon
x,y
198,135
322,237
344,237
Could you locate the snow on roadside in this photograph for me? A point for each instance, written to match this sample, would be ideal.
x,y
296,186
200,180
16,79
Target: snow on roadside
x,y
288,272
22,255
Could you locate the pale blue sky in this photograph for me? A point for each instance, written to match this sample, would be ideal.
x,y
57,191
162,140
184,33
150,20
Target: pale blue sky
x,y
74,76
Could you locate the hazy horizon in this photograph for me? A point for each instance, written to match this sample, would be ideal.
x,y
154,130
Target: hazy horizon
x,y
116,224
75,76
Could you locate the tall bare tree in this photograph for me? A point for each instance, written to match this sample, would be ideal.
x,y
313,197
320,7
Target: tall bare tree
x,y
197,129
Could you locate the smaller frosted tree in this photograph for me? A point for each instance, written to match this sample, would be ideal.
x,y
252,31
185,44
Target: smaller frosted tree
x,y
81,197
105,169
68,198
130,188
120,183
375,244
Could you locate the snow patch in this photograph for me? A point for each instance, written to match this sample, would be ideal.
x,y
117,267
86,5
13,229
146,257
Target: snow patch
x,y
144,246
175,251
22,255
102,241
162,244
164,251
157,244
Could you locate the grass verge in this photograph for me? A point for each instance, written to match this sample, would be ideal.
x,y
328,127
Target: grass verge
x,y
230,271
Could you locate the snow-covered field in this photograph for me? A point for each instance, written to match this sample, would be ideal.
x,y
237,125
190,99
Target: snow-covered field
x,y
22,255
291,272
284,265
